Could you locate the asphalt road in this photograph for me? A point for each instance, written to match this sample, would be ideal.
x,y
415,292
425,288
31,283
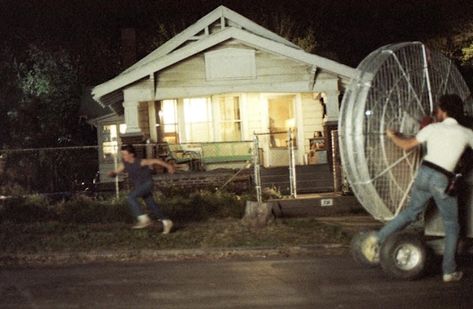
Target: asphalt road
x,y
296,282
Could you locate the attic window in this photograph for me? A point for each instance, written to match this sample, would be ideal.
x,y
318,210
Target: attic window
x,y
230,63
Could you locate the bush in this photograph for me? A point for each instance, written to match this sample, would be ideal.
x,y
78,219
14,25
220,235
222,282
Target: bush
x,y
202,205
83,209
29,209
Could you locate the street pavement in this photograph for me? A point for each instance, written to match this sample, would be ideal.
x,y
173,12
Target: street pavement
x,y
321,281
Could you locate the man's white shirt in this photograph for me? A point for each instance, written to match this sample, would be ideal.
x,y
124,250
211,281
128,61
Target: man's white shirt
x,y
446,142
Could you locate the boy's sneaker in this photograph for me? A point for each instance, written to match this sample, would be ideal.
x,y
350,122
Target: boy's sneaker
x,y
167,226
143,222
456,276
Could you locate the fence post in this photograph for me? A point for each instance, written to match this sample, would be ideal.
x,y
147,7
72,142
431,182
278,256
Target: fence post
x,y
115,166
292,165
257,170
337,173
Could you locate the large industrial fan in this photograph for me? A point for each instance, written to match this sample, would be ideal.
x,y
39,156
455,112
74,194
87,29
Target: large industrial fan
x,y
396,87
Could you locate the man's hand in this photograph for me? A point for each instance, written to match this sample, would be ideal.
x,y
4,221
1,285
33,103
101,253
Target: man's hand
x,y
391,133
406,143
112,174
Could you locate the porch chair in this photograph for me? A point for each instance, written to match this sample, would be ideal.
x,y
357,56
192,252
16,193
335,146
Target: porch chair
x,y
176,154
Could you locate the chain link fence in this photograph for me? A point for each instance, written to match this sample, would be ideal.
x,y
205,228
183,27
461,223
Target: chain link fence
x,y
47,170
69,170
66,171
280,153
278,168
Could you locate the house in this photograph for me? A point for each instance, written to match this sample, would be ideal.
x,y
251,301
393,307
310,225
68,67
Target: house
x,y
219,81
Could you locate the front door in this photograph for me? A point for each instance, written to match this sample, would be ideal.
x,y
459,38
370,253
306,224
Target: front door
x,y
281,113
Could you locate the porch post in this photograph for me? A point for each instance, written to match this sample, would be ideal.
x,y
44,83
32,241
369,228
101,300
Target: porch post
x,y
331,121
132,117
133,134
332,106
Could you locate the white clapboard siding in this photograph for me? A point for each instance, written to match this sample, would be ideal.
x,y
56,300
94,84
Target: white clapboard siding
x,y
312,113
270,69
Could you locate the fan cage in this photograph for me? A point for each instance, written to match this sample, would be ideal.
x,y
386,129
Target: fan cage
x,y
395,87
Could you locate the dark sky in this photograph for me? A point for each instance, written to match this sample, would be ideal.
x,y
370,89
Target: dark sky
x,y
346,30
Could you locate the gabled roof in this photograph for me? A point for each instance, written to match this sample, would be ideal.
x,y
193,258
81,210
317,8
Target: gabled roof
x,y
200,37
201,29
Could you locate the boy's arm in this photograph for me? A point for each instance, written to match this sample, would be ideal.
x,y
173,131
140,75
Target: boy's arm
x,y
151,162
114,173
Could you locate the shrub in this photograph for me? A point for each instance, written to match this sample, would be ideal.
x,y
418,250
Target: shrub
x,y
32,208
202,205
181,206
82,209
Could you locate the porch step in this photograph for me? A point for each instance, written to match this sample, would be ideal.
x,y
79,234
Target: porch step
x,y
310,178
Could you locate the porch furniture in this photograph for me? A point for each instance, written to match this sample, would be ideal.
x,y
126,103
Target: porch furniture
x,y
226,152
177,154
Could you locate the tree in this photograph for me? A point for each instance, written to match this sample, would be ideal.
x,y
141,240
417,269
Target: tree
x,y
457,44
41,98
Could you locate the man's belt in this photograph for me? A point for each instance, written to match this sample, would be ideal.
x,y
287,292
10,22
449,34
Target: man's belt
x,y
438,169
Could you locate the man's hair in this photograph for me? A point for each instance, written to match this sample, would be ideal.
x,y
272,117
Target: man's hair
x,y
130,149
452,104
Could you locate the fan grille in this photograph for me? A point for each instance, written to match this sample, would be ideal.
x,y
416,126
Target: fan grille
x,y
396,86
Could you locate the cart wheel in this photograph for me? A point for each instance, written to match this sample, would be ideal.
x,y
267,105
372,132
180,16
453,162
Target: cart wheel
x,y
364,248
404,256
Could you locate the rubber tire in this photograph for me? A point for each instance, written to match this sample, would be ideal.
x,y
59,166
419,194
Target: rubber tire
x,y
390,248
355,249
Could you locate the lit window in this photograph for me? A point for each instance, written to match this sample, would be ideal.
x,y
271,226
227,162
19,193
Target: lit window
x,y
168,115
281,119
229,116
110,141
123,128
198,120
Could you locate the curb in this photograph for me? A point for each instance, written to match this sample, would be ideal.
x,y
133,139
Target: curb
x,y
101,256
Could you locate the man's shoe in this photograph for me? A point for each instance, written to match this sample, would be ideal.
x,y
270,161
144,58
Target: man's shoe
x,y
456,276
143,222
167,226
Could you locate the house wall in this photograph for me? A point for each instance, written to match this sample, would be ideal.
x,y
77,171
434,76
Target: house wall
x,y
312,111
143,122
106,166
274,73
309,119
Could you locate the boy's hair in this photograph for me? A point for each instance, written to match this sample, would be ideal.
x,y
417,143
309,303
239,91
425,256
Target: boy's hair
x,y
130,149
452,104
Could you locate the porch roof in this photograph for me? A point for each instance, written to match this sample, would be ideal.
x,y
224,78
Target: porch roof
x,y
198,38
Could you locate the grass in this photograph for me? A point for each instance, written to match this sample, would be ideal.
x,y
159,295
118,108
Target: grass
x,y
36,225
56,237
180,205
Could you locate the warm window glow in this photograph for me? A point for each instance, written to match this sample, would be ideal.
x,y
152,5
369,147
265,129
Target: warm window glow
x,y
168,114
109,141
122,128
198,120
281,118
229,116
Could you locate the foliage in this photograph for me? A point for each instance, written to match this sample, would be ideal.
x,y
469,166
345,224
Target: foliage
x,y
467,53
191,206
47,170
27,209
288,27
43,95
